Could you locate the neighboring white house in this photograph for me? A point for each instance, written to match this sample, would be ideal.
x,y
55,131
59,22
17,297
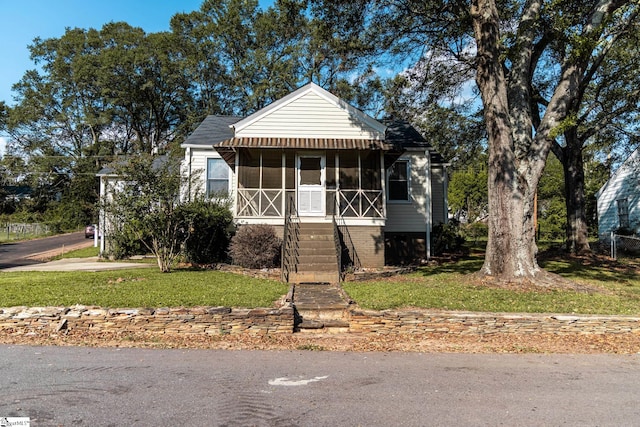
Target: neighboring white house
x,y
618,200
383,181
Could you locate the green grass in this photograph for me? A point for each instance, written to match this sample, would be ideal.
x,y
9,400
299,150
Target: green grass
x,y
145,287
444,287
88,252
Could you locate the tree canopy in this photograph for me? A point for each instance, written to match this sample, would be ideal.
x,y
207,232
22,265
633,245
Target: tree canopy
x,y
509,46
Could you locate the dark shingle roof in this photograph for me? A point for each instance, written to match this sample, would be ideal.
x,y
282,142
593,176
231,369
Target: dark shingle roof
x,y
212,130
110,169
401,135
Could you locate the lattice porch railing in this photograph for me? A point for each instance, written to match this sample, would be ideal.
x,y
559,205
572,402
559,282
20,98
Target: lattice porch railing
x,y
255,202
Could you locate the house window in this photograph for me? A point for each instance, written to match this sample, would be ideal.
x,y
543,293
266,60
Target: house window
x,y
623,212
398,181
217,177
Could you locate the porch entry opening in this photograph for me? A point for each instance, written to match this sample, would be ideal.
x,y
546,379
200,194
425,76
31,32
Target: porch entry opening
x,y
311,184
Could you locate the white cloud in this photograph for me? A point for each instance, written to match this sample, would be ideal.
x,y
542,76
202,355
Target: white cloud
x,y
3,145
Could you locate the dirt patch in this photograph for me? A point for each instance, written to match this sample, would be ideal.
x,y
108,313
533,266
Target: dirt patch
x,y
425,343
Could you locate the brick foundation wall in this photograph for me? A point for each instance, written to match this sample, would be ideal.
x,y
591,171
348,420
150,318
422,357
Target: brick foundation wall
x,y
369,244
404,248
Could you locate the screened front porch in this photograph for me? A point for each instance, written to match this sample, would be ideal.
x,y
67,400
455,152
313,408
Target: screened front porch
x,y
316,181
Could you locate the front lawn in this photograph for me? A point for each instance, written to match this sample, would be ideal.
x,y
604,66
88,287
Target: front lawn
x,y
446,287
146,287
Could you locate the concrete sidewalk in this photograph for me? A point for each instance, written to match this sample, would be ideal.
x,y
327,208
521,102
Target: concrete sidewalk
x,y
77,264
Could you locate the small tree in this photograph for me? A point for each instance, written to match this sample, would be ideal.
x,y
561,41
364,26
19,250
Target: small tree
x,y
146,204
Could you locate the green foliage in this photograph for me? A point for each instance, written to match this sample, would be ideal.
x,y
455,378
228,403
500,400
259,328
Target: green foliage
x,y
255,246
596,174
474,231
468,190
446,238
124,243
552,211
210,225
146,205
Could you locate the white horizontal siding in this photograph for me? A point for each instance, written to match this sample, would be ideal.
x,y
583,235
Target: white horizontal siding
x,y
310,116
198,161
412,216
623,185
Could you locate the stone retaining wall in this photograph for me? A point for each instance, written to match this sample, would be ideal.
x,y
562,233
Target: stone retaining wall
x,y
265,321
463,323
195,320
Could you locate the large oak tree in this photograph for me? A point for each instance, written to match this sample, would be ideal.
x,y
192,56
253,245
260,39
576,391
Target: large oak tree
x,y
504,42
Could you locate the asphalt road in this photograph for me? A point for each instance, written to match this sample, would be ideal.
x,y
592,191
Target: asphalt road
x,y
67,386
16,254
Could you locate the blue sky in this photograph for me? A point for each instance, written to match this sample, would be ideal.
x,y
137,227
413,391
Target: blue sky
x,y
24,20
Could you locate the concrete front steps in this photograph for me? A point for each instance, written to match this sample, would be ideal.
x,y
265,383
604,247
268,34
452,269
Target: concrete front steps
x,y
320,308
317,258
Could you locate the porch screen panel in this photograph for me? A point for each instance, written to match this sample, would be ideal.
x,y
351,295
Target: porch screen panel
x,y
370,163
249,174
349,178
248,198
271,169
271,194
349,194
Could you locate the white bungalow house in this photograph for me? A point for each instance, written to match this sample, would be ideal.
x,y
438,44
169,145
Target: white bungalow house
x,y
618,200
339,186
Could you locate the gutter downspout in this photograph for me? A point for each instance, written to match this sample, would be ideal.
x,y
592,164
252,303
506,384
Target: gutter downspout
x,y
189,173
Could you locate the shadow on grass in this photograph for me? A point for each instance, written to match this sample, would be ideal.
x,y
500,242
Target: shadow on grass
x,y
465,265
594,267
604,272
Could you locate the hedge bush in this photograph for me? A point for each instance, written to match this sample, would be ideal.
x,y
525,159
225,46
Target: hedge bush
x,y
256,246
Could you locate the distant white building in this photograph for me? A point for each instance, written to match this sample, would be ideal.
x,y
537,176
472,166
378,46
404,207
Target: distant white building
x,y
618,200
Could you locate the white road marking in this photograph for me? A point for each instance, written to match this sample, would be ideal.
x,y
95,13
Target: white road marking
x,y
289,382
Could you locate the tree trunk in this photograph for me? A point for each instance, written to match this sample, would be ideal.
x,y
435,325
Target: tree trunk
x,y
572,163
511,249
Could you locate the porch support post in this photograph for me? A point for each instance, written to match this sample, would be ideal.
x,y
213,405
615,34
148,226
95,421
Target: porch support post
x,y
283,185
237,184
383,178
337,200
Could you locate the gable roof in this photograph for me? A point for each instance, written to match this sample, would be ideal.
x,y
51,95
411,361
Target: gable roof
x,y
401,135
623,169
311,88
212,130
110,169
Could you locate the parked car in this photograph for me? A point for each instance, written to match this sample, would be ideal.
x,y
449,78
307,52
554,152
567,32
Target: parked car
x,y
89,231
